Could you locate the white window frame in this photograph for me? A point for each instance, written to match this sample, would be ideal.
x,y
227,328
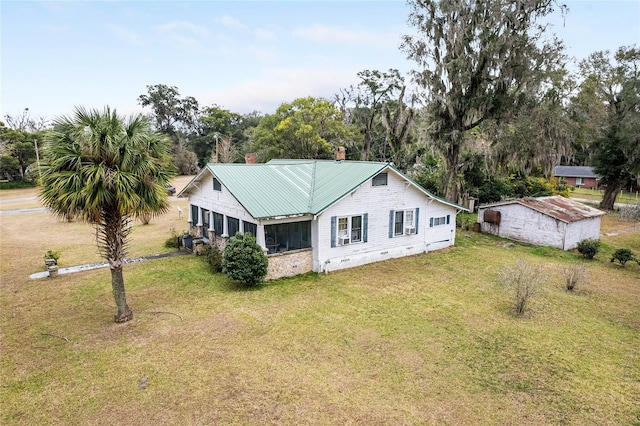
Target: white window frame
x,y
437,221
381,179
580,181
219,184
344,236
408,226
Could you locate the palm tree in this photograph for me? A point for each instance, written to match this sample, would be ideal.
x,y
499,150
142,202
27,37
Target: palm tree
x,y
106,170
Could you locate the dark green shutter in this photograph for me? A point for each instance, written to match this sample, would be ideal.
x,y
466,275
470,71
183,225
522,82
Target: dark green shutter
x,y
431,222
417,221
448,218
333,231
365,223
391,224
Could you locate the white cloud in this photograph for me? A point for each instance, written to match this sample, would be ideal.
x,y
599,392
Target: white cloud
x,y
184,26
231,22
126,35
322,33
278,85
264,34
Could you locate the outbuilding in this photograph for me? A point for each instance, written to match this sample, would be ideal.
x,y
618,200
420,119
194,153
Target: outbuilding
x,y
544,221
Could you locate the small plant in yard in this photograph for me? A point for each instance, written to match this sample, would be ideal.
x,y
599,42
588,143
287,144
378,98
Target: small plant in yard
x,y
588,248
622,255
213,256
174,240
521,281
52,255
574,274
244,261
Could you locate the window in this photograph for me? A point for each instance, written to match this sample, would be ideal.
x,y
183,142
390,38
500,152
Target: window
x,y
348,229
379,180
579,181
398,228
250,227
216,185
205,219
233,226
194,214
218,223
403,222
436,221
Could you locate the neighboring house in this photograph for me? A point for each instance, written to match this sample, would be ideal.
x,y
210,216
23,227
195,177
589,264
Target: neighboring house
x,y
545,221
580,176
319,215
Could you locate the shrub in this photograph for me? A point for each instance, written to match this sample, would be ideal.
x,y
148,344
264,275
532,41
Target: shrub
x,y
630,212
574,274
50,254
213,256
173,241
244,261
622,255
588,248
521,281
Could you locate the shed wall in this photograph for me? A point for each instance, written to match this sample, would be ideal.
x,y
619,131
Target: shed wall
x,y
581,230
521,223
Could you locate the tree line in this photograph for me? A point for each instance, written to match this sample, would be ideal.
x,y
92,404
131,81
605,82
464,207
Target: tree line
x,y
489,105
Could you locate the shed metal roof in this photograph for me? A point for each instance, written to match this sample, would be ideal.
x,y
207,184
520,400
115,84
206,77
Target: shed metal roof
x,y
282,188
556,206
574,171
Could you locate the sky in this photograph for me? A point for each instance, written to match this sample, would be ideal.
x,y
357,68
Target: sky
x,y
242,56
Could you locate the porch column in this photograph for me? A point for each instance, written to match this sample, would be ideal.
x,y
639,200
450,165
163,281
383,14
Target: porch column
x,y
225,226
211,228
260,238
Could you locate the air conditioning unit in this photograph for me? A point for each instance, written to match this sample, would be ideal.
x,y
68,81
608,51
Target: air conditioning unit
x,y
409,230
343,239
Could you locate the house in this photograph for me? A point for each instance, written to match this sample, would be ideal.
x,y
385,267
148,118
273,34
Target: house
x,y
319,215
580,176
545,221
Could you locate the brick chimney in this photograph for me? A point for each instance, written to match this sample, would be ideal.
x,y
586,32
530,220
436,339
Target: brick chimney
x,y
250,158
341,153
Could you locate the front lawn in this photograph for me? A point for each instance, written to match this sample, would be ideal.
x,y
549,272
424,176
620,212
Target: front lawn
x,y
428,339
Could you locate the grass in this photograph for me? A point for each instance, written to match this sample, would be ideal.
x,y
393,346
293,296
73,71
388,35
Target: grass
x,y
426,339
596,195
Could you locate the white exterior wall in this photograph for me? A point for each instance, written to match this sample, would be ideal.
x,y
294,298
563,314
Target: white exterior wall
x,y
203,195
581,230
523,224
377,202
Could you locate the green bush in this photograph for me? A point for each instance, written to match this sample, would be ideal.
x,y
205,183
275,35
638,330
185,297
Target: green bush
x,y
588,248
213,256
50,254
622,255
16,184
173,241
244,261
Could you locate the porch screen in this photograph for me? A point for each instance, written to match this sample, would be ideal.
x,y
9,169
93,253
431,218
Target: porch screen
x,y
290,236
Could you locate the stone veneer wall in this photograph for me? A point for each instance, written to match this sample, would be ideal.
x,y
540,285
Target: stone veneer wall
x,y
286,264
289,263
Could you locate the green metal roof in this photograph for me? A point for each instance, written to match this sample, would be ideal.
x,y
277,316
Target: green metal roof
x,y
283,188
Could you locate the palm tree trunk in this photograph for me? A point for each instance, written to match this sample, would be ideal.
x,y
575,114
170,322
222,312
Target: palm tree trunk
x,y
124,313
